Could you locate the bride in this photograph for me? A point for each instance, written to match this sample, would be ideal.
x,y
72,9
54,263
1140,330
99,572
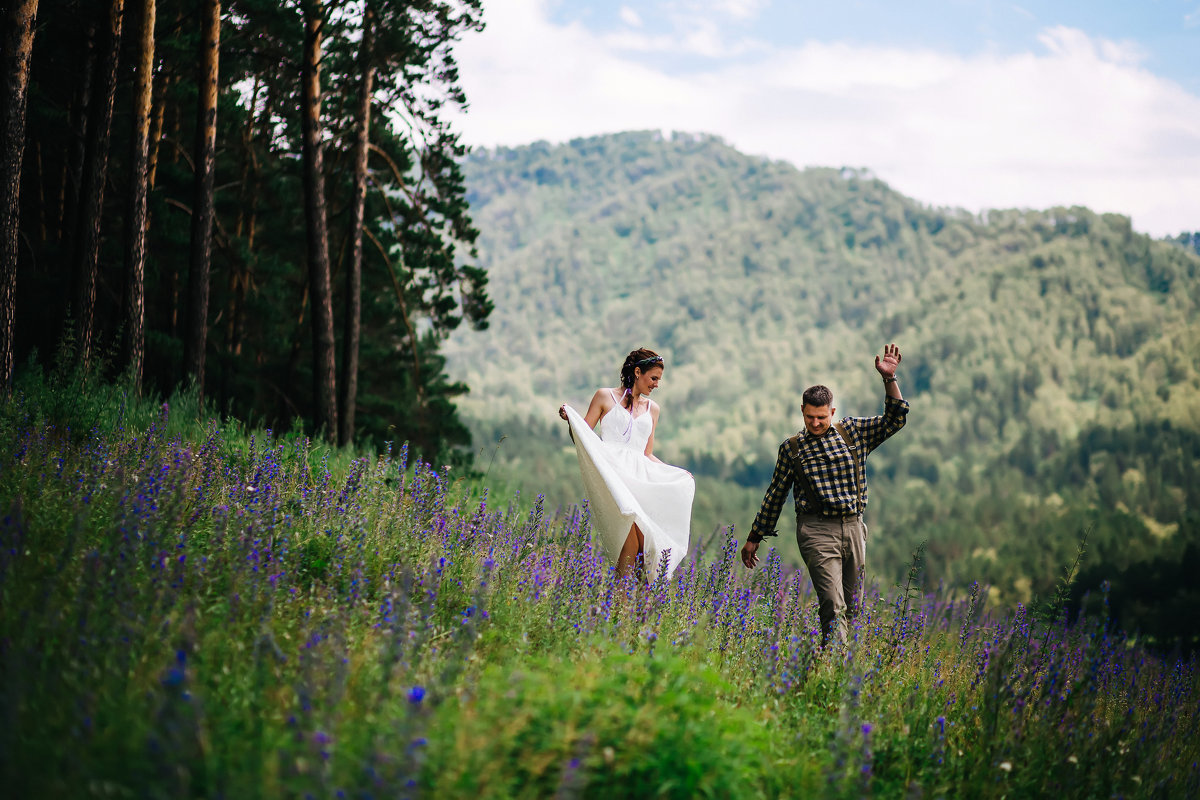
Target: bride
x,y
640,506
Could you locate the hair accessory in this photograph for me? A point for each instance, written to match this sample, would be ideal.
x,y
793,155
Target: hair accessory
x,y
646,361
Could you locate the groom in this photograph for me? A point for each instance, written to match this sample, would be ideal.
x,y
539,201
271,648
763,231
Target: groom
x,y
823,466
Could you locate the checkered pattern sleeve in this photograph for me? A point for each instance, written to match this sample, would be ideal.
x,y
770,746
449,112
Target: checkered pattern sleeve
x,y
874,431
777,492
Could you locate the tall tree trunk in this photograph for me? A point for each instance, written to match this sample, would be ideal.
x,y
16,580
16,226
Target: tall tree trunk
x,y
95,173
17,48
353,317
135,220
240,272
40,201
195,337
173,125
260,137
81,104
158,106
324,368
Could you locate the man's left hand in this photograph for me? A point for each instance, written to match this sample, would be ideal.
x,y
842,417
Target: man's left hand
x,y
749,554
890,362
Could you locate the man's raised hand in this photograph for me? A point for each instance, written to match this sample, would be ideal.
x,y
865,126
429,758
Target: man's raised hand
x,y
890,362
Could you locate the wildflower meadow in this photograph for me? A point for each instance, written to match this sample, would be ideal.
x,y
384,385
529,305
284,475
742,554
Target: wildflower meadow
x,y
192,609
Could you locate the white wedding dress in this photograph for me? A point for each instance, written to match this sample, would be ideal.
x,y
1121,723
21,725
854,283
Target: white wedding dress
x,y
624,486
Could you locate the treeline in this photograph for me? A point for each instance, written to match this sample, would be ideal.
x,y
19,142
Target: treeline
x,y
1047,354
264,199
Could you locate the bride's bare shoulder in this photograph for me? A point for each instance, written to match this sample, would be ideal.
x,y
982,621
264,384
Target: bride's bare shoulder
x,y
602,399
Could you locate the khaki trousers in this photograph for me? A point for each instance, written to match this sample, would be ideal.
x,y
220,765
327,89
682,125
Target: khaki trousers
x,y
834,550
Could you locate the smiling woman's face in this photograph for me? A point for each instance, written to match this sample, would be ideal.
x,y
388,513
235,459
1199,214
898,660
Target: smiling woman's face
x,y
646,381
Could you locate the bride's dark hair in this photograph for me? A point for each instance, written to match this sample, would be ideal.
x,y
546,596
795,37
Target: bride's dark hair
x,y
643,359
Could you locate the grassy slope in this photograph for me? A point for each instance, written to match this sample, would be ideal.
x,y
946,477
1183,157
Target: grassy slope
x,y
188,610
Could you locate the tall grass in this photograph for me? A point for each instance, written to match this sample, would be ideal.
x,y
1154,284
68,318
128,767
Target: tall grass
x,y
190,609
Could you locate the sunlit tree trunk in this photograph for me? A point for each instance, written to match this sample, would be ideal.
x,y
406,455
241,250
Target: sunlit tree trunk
x,y
135,219
16,49
95,173
195,337
353,316
320,290
158,106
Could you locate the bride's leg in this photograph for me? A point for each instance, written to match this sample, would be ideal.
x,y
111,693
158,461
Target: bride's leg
x,y
640,558
630,551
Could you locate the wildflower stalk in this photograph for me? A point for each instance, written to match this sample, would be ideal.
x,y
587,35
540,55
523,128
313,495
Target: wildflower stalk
x,y
910,590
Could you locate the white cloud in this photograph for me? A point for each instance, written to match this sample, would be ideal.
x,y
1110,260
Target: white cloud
x,y
1077,120
1193,19
630,17
740,9
695,36
638,42
1072,43
1024,12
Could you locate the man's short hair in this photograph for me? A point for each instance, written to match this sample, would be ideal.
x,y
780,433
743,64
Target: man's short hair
x,y
817,396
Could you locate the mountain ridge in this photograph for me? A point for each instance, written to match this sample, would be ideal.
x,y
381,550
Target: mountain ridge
x,y
1021,330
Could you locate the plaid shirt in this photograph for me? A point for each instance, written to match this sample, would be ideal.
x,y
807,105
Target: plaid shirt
x,y
827,463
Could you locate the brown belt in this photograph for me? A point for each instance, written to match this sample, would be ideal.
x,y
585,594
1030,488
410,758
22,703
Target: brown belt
x,y
835,515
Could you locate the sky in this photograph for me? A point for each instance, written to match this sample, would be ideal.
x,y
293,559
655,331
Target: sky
x,y
961,103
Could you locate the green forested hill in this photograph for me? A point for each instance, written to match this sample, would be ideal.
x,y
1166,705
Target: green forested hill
x,y
1049,355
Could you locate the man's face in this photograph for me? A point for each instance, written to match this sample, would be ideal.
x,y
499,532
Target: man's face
x,y
817,419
